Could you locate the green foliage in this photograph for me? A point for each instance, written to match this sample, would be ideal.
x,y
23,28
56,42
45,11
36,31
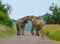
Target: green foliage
x,y
6,24
4,14
5,7
54,16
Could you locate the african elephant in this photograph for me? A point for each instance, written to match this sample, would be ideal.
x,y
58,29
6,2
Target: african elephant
x,y
36,24
20,24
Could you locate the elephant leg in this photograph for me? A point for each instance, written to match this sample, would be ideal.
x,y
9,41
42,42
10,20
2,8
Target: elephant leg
x,y
18,33
22,31
32,30
42,31
37,32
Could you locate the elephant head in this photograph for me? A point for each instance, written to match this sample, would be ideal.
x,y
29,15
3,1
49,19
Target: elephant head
x,y
20,24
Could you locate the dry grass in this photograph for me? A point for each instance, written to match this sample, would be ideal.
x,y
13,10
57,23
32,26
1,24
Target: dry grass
x,y
6,31
52,31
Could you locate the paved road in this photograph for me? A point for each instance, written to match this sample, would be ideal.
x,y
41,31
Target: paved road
x,y
28,39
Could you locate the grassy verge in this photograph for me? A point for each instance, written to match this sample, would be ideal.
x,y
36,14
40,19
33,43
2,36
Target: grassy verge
x,y
6,31
52,31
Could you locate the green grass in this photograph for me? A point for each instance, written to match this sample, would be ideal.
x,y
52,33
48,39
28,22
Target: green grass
x,y
52,31
6,31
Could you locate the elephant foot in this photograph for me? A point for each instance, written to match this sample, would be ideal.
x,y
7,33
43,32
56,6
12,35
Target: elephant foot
x,y
22,34
37,35
18,34
32,33
42,36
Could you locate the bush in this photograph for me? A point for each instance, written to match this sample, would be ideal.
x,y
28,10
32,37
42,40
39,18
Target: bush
x,y
4,19
53,17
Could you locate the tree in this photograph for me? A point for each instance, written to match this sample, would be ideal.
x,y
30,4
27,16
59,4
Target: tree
x,y
54,16
5,7
4,14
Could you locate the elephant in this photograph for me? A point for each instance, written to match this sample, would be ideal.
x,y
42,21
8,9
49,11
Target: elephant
x,y
37,24
20,24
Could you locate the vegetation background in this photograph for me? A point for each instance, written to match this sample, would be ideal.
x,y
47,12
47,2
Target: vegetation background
x,y
6,25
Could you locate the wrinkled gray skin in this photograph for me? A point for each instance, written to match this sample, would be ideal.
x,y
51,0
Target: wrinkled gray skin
x,y
37,24
20,24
